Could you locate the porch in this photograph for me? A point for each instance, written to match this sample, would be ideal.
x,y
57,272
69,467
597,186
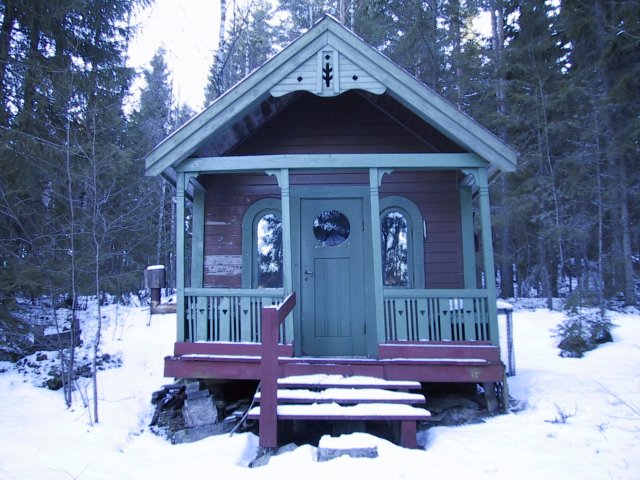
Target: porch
x,y
428,336
405,357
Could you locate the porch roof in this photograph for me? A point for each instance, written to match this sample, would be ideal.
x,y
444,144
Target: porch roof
x,y
274,86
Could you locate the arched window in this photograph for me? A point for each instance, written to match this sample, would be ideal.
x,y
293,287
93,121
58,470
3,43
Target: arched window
x,y
262,259
402,241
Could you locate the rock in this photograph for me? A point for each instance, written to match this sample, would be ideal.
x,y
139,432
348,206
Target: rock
x,y
264,454
199,412
454,409
189,435
326,454
354,445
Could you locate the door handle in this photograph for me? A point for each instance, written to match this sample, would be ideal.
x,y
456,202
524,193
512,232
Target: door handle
x,y
308,272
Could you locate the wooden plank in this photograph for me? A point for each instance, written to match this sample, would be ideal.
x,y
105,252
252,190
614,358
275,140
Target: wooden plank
x,y
336,381
269,378
346,396
370,411
226,348
488,353
333,160
244,368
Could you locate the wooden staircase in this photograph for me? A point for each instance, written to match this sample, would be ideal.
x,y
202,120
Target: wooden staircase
x,y
337,398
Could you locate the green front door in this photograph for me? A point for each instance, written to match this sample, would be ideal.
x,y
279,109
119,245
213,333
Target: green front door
x,y
332,277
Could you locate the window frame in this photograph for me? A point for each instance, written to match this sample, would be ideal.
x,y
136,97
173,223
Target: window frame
x,y
252,216
415,238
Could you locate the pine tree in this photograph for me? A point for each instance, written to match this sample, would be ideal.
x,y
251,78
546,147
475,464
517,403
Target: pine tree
x,y
603,66
251,41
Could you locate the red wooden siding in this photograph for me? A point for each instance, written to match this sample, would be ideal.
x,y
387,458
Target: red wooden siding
x,y
345,124
437,196
228,197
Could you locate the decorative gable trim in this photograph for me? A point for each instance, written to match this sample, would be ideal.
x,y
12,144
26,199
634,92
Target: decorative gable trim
x,y
327,73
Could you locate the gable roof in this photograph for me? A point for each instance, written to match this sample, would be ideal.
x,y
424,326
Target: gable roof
x,y
327,60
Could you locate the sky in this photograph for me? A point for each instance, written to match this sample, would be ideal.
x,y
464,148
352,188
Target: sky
x,y
188,30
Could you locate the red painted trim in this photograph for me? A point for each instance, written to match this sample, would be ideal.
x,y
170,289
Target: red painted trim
x,y
486,352
408,437
272,317
250,369
227,348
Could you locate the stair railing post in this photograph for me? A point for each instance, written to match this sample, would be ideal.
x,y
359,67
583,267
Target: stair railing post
x,y
269,379
272,317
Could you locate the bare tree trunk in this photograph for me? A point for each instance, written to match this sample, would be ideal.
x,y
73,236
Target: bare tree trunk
x,y
546,152
95,220
600,206
72,257
497,30
625,226
544,274
8,22
217,67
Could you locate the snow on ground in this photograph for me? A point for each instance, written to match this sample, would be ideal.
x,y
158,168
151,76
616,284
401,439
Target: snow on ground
x,y
579,418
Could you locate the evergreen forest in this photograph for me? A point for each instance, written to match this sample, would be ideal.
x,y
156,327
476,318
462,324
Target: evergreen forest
x,y
557,80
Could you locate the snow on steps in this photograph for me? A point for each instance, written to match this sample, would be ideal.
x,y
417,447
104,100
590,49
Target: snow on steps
x,y
346,395
334,398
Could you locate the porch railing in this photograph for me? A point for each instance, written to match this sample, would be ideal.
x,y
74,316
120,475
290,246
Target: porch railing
x,y
230,315
233,315
438,315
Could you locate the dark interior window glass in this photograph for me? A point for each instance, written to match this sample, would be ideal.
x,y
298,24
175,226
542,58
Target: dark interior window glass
x,y
331,228
269,244
395,265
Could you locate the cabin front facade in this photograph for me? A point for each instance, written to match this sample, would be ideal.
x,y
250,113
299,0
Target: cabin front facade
x,y
333,178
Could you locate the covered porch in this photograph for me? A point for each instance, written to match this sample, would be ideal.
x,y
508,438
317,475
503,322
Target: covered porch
x,y
452,330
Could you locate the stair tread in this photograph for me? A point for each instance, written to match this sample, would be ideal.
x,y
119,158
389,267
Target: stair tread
x,y
337,381
347,395
361,411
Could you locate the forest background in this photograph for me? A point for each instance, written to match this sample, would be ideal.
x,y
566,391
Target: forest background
x,y
557,80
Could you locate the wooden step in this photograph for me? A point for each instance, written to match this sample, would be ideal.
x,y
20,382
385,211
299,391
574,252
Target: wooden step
x,y
319,381
346,396
333,411
407,415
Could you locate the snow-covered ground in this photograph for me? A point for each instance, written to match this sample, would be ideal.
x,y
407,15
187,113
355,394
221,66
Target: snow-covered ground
x,y
580,420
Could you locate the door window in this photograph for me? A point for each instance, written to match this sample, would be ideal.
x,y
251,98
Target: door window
x,y
331,228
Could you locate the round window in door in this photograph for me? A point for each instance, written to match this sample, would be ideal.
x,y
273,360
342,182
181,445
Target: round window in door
x,y
331,228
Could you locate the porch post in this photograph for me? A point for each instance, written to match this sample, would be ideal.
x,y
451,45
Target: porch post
x,y
287,274
487,252
287,263
180,250
468,243
376,250
197,238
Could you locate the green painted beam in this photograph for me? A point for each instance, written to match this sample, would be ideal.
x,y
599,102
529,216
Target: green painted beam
x,y
468,237
332,161
180,256
376,251
197,239
487,251
287,262
230,292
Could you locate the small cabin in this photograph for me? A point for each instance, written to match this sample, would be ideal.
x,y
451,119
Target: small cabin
x,y
332,178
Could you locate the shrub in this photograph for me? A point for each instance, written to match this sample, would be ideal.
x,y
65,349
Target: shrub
x,y
582,331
